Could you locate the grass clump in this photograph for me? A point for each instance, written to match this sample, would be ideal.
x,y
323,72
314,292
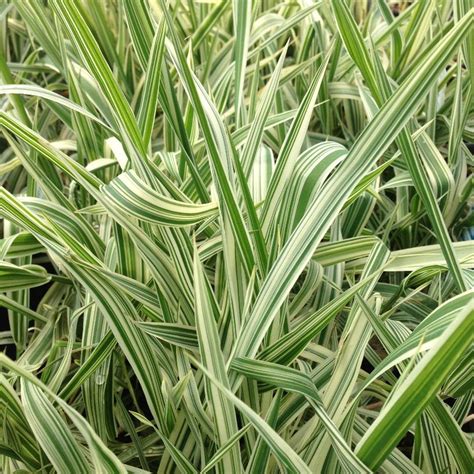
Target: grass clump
x,y
235,236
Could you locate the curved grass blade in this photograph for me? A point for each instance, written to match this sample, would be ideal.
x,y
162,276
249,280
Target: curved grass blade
x,y
133,196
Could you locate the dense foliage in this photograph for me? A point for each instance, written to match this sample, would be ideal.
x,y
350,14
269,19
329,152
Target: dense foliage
x,y
234,236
